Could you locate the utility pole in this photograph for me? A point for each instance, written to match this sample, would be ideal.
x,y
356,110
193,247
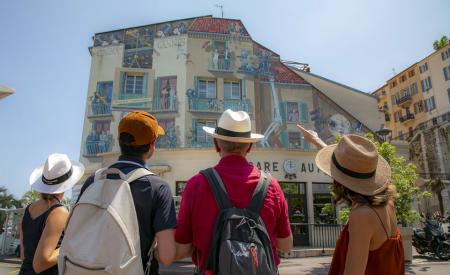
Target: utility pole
x,y
221,8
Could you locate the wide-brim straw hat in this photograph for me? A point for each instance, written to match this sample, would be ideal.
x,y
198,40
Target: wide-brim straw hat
x,y
355,163
234,127
57,175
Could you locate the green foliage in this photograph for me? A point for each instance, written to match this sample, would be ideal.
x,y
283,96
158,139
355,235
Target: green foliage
x,y
439,44
327,209
6,201
343,215
30,197
404,178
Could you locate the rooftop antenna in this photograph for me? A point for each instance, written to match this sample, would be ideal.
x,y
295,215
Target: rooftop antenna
x,y
393,71
221,8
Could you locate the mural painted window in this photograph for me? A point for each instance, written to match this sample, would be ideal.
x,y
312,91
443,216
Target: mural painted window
x,y
207,88
134,84
295,140
201,138
101,101
220,56
138,38
296,112
99,139
166,93
321,197
169,140
231,90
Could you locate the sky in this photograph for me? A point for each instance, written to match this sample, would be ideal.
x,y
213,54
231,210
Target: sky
x,y
44,55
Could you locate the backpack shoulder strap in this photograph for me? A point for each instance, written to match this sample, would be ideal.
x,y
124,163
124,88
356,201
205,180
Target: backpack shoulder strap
x,y
260,193
136,174
217,187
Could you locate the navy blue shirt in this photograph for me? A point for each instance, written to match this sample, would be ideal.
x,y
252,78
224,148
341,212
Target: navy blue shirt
x,y
153,201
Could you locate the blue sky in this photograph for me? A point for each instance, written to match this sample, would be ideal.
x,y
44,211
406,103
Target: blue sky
x,y
44,55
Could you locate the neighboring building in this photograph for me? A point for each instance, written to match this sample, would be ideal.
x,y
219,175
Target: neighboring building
x,y
5,91
186,73
416,104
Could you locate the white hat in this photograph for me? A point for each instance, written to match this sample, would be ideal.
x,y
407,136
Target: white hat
x,y
57,175
234,127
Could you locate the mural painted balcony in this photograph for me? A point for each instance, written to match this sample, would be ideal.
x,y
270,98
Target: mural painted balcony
x,y
237,105
98,144
204,105
220,65
407,117
404,101
167,141
99,109
164,106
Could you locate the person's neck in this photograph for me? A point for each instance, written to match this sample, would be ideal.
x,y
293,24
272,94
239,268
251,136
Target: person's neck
x,y
227,154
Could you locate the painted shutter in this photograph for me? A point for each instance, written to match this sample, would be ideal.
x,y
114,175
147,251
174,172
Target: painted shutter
x,y
283,111
303,112
145,93
244,89
284,139
156,95
196,93
194,131
121,84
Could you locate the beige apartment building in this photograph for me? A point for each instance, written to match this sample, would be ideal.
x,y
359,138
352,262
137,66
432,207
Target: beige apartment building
x,y
187,72
416,106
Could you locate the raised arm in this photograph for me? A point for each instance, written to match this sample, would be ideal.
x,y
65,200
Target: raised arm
x,y
312,137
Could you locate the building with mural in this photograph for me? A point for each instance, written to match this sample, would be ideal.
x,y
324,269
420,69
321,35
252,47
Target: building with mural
x,y
416,106
186,73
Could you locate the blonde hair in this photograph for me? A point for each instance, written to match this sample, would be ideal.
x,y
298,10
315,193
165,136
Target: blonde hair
x,y
344,195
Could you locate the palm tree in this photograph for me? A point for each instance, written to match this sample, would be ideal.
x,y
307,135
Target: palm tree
x,y
6,201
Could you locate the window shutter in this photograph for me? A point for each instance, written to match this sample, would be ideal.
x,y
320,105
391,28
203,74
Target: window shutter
x,y
121,84
426,105
194,131
304,112
196,93
156,95
429,83
445,73
283,111
284,139
145,93
433,104
244,89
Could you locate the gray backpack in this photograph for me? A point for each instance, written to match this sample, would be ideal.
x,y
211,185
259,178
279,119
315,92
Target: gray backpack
x,y
240,244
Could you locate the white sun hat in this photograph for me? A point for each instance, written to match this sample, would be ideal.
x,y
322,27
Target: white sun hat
x,y
234,127
57,175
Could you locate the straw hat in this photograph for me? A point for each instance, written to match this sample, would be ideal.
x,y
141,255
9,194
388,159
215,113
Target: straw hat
x,y
355,163
234,127
57,175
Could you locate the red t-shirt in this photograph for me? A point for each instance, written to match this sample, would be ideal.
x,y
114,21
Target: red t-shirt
x,y
198,210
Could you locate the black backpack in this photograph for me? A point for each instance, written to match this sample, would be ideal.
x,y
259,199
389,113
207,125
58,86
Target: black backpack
x,y
240,243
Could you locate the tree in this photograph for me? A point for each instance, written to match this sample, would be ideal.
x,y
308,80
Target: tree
x,y
30,197
6,201
439,44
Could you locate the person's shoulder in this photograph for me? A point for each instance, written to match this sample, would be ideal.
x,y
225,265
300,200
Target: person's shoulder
x,y
362,217
59,212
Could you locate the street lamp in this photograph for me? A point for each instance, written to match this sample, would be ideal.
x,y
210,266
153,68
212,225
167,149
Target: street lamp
x,y
383,132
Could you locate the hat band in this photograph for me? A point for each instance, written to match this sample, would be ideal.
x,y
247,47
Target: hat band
x,y
57,180
228,133
351,173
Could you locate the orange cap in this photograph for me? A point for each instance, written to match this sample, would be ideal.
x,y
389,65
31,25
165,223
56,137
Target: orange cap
x,y
142,126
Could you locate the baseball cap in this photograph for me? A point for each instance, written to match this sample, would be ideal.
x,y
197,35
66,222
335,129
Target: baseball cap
x,y
142,126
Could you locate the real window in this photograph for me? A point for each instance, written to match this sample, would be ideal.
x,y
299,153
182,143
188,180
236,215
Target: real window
x,y
448,92
207,88
413,88
295,140
402,78
231,90
411,73
423,68
445,54
446,73
426,84
134,84
322,197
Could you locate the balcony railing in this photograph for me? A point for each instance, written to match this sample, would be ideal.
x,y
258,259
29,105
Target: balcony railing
x,y
98,144
404,100
208,105
167,141
203,143
407,117
99,109
220,65
164,105
319,235
237,105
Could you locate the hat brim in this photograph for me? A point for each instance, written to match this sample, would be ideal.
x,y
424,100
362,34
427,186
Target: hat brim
x,y
252,139
368,187
38,185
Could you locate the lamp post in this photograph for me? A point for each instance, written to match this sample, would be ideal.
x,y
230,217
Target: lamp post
x,y
383,132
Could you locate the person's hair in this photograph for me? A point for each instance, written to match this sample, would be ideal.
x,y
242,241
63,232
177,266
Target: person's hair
x,y
233,147
130,150
47,197
345,195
